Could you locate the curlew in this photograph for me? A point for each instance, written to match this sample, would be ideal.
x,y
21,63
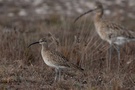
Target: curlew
x,y
54,59
115,34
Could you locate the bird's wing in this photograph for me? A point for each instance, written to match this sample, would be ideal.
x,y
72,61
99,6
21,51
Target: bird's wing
x,y
116,30
59,59
63,61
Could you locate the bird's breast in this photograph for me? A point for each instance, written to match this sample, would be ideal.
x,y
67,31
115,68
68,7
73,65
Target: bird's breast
x,y
47,60
101,31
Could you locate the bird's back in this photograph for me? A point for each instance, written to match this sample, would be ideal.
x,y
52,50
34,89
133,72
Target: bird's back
x,y
58,60
108,30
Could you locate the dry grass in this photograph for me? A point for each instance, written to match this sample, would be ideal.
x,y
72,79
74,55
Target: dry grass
x,y
23,68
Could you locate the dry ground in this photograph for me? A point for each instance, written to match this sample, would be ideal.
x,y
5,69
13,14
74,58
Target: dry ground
x,y
22,68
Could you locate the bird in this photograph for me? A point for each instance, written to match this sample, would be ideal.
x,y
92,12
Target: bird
x,y
115,34
54,58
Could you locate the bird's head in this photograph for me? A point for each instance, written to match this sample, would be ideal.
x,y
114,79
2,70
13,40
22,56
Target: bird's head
x,y
98,9
41,41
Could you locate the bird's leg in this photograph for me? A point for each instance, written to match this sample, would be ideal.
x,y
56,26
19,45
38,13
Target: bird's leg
x,y
59,74
56,75
110,56
118,50
110,52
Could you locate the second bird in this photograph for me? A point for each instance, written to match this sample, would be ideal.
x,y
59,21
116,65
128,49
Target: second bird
x,y
115,34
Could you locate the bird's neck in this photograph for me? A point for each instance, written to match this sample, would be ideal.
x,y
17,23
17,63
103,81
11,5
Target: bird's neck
x,y
97,17
98,20
45,47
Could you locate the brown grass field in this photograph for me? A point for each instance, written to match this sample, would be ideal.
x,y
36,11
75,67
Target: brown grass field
x,y
22,68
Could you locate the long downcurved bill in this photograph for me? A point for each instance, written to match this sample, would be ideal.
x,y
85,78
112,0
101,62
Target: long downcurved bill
x,y
84,14
33,44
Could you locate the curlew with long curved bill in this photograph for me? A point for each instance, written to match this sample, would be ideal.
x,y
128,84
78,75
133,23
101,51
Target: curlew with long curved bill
x,y
115,34
54,59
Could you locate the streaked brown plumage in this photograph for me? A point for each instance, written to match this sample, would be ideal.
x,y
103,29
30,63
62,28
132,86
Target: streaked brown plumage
x,y
113,33
54,59
110,32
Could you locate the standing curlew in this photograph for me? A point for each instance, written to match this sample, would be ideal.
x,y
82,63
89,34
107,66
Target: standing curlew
x,y
116,35
54,59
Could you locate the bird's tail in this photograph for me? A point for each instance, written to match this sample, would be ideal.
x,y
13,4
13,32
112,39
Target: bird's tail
x,y
76,67
132,40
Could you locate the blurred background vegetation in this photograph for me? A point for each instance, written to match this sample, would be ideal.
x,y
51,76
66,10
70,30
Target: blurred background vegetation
x,y
25,21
